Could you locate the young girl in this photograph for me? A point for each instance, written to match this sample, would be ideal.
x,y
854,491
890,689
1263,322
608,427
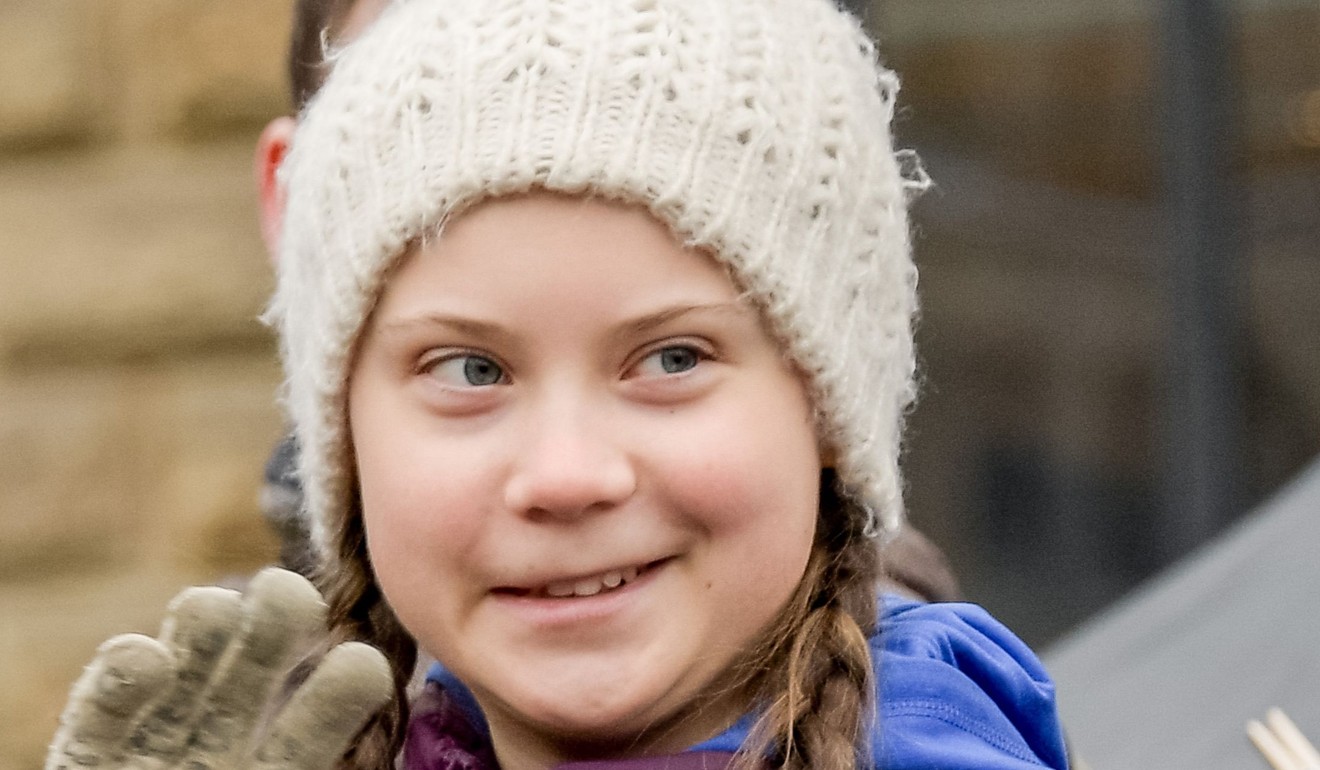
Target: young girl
x,y
596,319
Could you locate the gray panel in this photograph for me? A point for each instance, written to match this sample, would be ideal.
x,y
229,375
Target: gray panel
x,y
1168,678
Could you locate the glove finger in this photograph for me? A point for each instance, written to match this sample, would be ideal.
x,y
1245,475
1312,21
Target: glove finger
x,y
128,671
313,731
280,610
199,626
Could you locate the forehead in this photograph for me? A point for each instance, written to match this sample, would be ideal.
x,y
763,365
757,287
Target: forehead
x,y
527,246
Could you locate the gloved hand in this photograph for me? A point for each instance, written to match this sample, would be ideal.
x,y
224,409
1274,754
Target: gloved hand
x,y
196,697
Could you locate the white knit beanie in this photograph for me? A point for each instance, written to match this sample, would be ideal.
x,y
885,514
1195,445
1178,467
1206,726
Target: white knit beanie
x,y
757,130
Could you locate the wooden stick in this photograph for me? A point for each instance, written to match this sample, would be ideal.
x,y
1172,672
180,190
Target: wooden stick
x,y
1279,757
1287,733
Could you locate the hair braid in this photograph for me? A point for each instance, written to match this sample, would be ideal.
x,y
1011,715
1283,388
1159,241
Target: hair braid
x,y
815,672
358,611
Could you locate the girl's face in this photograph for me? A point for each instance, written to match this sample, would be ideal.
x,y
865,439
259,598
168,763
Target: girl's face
x,y
589,479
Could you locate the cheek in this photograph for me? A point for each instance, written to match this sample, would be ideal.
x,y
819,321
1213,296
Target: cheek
x,y
420,509
409,482
749,475
401,532
757,511
421,545
413,504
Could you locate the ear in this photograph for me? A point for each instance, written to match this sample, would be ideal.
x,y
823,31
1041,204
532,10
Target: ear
x,y
271,149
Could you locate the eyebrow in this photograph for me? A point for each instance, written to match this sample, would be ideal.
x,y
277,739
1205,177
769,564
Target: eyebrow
x,y
657,319
468,327
471,327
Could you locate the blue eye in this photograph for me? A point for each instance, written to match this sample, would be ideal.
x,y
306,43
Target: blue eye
x,y
467,370
674,359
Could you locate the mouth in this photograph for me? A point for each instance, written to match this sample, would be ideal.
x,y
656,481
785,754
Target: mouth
x,y
586,585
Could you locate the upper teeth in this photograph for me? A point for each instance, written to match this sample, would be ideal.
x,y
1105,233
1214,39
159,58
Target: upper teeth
x,y
590,586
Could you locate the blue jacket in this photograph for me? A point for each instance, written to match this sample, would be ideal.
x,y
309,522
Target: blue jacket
x,y
958,691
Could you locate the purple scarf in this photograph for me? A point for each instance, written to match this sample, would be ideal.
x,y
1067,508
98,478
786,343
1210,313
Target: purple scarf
x,y
441,737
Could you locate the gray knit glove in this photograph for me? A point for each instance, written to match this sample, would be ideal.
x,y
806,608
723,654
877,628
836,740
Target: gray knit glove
x,y
197,696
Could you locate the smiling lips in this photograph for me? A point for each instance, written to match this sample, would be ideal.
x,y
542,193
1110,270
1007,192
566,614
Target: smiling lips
x,y
589,585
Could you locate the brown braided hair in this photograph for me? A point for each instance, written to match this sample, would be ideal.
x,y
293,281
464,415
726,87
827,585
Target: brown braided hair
x,y
811,673
358,612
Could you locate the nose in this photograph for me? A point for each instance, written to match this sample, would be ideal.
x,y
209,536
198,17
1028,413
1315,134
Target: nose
x,y
570,462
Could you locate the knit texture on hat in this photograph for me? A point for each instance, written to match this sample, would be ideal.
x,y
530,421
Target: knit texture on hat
x,y
757,130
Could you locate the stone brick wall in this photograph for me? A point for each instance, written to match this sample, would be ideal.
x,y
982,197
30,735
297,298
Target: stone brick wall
x,y
136,386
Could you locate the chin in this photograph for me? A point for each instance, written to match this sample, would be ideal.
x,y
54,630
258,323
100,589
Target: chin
x,y
596,714
607,722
